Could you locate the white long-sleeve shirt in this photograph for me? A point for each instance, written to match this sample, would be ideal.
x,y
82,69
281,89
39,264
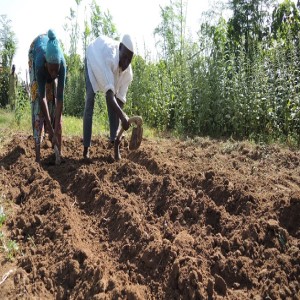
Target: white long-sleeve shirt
x,y
103,68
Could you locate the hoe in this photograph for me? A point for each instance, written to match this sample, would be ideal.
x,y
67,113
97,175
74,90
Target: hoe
x,y
136,136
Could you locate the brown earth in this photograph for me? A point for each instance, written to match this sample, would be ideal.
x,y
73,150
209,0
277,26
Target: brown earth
x,y
196,219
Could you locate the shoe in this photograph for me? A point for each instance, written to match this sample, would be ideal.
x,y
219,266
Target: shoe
x,y
86,152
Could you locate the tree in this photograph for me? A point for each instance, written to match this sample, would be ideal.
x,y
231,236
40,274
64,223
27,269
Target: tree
x,y
8,46
285,21
102,22
173,45
170,31
99,23
249,23
74,90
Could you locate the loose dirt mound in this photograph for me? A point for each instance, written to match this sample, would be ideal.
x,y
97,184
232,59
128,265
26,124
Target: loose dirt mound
x,y
198,219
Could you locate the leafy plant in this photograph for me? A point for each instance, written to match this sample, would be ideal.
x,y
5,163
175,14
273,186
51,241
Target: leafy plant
x,y
2,216
22,102
11,248
8,46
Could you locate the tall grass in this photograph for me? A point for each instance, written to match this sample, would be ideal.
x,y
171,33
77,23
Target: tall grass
x,y
72,126
224,94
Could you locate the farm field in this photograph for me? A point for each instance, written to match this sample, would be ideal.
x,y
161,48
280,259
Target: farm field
x,y
195,219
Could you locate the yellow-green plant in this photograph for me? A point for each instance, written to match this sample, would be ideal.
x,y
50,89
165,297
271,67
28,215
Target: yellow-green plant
x,y
11,248
2,216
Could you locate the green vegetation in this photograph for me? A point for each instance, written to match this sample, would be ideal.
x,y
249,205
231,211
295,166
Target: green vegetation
x,y
72,126
9,247
239,78
10,126
2,216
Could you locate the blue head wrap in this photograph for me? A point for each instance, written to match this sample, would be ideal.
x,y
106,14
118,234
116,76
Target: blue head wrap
x,y
53,51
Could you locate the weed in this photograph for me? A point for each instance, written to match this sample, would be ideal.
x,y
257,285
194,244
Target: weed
x,y
2,216
21,104
11,248
230,147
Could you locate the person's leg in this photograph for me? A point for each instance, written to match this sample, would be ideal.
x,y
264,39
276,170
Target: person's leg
x,y
38,125
88,114
59,133
52,112
32,116
32,89
50,92
114,121
37,120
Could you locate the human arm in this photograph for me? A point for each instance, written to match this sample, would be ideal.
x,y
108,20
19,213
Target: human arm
x,y
41,82
59,87
123,84
58,112
111,101
45,111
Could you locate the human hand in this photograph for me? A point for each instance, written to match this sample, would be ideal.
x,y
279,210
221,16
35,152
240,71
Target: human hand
x,y
125,123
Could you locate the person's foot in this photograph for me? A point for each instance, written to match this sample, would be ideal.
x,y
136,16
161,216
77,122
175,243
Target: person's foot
x,y
86,152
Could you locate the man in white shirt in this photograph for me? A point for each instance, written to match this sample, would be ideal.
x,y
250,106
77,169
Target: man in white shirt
x,y
107,69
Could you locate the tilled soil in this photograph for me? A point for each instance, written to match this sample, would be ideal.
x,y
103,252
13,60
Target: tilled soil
x,y
196,219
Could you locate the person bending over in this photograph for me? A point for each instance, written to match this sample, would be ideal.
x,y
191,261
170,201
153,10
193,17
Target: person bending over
x,y
108,70
47,72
